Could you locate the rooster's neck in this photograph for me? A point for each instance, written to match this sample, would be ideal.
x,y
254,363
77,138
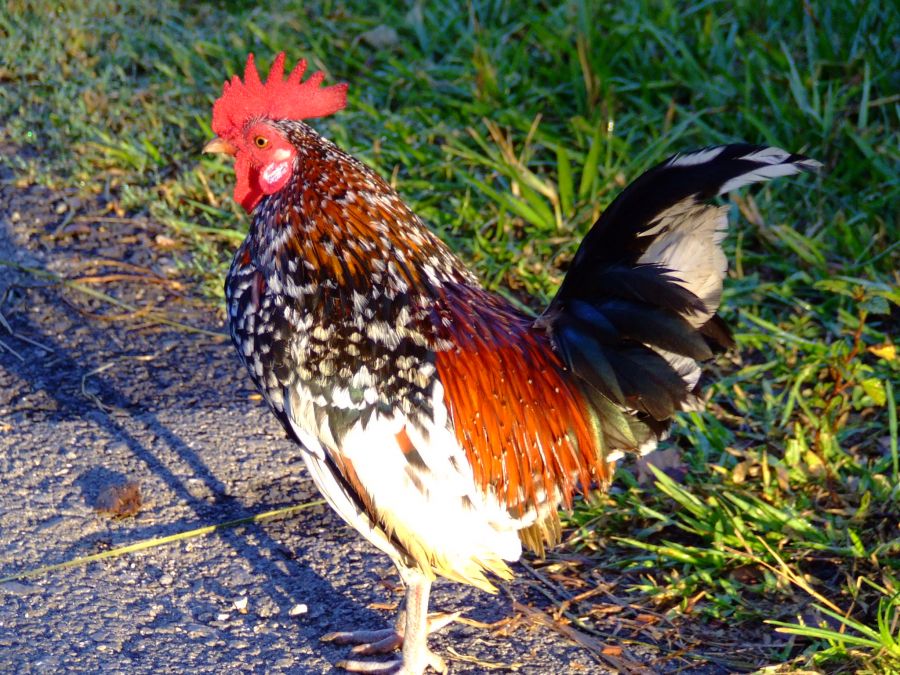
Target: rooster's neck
x,y
340,294
341,226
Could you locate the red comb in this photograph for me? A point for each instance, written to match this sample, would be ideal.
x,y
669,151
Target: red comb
x,y
277,99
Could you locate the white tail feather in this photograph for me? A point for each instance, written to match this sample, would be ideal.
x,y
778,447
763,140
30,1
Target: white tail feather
x,y
760,174
688,242
697,157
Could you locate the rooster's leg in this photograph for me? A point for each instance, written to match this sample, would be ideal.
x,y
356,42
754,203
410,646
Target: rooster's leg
x,y
412,632
416,655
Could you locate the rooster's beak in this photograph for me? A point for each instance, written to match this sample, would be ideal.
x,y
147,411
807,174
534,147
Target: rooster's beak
x,y
219,144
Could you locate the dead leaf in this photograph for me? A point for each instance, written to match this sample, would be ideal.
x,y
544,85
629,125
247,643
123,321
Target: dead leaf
x,y
387,606
120,501
747,574
668,461
380,37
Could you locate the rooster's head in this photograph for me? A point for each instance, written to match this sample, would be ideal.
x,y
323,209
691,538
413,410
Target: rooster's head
x,y
243,119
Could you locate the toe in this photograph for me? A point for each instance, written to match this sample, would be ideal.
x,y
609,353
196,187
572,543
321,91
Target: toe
x,y
438,620
360,637
386,645
375,667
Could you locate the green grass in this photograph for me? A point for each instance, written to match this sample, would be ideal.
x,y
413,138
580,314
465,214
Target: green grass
x,y
509,130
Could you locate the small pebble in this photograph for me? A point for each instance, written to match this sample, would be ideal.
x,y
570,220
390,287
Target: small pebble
x,y
196,630
166,580
241,605
298,609
222,616
62,207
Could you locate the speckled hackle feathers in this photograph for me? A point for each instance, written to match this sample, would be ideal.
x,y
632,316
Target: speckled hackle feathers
x,y
443,423
276,99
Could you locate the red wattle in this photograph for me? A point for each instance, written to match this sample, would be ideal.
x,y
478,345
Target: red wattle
x,y
247,192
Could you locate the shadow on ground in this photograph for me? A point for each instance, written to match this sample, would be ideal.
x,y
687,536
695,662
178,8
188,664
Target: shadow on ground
x,y
89,399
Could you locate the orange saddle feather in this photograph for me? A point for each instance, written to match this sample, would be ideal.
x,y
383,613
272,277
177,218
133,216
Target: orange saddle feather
x,y
524,425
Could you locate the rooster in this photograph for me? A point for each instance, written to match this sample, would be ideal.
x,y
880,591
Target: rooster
x,y
444,424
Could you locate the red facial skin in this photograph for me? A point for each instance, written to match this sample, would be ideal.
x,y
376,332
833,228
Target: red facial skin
x,y
264,160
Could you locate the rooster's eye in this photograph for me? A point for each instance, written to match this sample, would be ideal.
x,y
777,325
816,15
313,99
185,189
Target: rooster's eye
x,y
261,142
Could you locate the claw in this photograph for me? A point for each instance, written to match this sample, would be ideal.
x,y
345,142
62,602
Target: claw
x,y
372,667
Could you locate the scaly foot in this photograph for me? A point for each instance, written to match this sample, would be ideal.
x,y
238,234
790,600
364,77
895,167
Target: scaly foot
x,y
367,642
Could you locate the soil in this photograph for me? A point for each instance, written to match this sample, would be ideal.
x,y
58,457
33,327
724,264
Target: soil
x,y
94,397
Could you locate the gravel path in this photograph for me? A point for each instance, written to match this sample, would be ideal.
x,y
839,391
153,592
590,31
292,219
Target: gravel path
x,y
87,403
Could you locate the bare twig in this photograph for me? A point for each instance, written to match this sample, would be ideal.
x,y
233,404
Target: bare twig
x,y
149,279
5,346
485,665
91,292
594,647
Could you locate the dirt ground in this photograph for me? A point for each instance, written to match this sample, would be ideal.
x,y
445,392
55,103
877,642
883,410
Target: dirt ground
x,y
93,396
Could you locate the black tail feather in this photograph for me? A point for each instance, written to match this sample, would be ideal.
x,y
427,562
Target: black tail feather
x,y
637,307
701,174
